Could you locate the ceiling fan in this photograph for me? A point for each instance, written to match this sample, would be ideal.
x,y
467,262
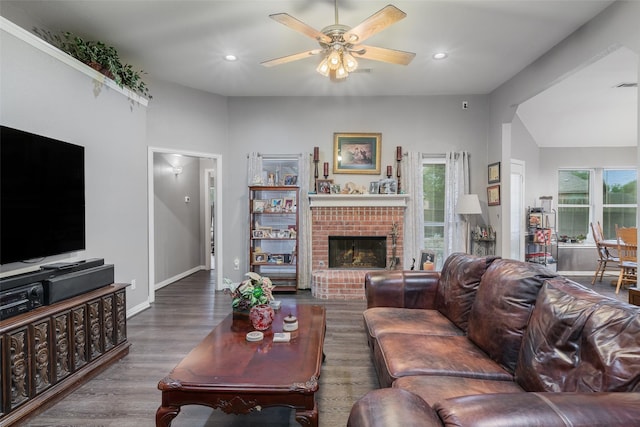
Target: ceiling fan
x,y
341,44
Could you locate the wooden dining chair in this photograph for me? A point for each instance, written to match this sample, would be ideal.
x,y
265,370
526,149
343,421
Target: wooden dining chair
x,y
605,258
627,238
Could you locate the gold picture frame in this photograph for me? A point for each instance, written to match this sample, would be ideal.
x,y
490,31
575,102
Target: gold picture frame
x,y
357,153
493,195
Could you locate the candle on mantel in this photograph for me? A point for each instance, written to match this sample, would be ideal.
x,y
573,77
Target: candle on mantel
x,y
316,154
399,153
389,171
326,169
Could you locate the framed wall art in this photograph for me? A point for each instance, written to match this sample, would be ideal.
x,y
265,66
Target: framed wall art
x,y
493,172
493,195
357,153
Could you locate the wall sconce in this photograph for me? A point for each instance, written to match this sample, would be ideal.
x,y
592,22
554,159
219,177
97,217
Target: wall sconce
x,y
177,170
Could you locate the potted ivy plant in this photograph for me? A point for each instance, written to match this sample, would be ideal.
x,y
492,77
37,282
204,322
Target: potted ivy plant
x,y
99,56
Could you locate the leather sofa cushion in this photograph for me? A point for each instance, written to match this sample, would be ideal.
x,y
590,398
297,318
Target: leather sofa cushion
x,y
400,355
380,320
392,408
433,388
580,341
503,304
459,281
541,409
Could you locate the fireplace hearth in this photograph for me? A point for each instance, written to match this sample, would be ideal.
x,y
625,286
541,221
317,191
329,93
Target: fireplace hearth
x,y
354,252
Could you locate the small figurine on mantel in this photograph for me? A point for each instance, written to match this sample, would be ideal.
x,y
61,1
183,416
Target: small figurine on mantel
x,y
353,188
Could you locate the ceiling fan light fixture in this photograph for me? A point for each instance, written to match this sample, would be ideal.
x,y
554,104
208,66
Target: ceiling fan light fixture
x,y
323,68
334,60
350,62
341,72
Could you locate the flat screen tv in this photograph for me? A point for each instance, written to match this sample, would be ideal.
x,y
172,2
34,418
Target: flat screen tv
x,y
42,199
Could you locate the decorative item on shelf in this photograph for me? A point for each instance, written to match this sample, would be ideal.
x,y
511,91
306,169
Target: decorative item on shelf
x,y
394,244
325,170
324,185
261,316
398,161
255,290
389,172
427,260
290,323
316,159
388,186
353,188
100,57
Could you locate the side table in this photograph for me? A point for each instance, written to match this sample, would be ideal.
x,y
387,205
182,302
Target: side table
x,y
634,296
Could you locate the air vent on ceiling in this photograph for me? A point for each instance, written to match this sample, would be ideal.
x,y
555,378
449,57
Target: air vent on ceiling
x,y
627,85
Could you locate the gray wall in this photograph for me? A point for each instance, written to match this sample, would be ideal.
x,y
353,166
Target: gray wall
x,y
433,124
178,239
45,96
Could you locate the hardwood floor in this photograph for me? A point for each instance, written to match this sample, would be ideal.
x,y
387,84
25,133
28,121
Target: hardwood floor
x,y
126,394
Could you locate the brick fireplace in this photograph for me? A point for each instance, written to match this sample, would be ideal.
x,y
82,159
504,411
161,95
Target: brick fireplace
x,y
351,215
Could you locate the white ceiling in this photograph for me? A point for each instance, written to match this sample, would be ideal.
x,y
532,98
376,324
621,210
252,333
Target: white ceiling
x,y
184,41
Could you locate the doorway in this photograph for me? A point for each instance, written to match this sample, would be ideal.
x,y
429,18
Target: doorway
x,y
185,219
517,210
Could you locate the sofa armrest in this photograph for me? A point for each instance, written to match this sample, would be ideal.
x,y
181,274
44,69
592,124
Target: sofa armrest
x,y
403,289
392,407
542,409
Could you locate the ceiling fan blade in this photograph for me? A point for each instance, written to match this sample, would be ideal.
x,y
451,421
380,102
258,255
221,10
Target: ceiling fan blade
x,y
290,58
382,54
375,23
299,26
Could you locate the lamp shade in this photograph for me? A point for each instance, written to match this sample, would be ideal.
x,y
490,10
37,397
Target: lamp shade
x,y
468,204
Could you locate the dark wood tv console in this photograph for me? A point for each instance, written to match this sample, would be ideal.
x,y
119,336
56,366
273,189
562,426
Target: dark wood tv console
x,y
49,351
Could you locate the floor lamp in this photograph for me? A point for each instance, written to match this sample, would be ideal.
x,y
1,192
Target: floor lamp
x,y
468,204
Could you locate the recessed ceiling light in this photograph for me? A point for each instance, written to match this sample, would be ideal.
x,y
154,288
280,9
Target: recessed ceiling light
x,y
440,55
230,58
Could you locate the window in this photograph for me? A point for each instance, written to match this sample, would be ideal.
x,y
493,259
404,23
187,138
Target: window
x,y
433,181
619,199
579,204
574,202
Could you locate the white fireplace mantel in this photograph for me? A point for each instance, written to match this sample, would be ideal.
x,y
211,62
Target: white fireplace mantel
x,y
357,200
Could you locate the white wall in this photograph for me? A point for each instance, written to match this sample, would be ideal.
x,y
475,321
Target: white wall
x,y
42,95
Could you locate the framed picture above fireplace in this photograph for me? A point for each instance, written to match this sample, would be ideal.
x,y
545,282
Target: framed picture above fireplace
x,y
357,153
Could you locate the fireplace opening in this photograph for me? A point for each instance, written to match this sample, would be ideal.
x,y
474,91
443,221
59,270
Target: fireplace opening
x,y
357,251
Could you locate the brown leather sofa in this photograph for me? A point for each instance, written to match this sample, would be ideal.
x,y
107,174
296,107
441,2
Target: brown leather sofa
x,y
497,342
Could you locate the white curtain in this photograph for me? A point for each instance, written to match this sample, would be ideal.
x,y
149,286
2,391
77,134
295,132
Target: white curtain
x,y
304,222
254,168
457,179
414,214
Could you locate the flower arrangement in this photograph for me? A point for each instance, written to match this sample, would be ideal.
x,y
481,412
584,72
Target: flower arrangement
x,y
253,291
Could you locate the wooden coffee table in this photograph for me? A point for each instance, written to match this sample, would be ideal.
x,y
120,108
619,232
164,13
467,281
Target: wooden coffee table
x,y
227,372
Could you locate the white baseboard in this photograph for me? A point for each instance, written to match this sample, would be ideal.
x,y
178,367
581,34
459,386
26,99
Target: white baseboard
x,y
586,273
138,308
177,277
